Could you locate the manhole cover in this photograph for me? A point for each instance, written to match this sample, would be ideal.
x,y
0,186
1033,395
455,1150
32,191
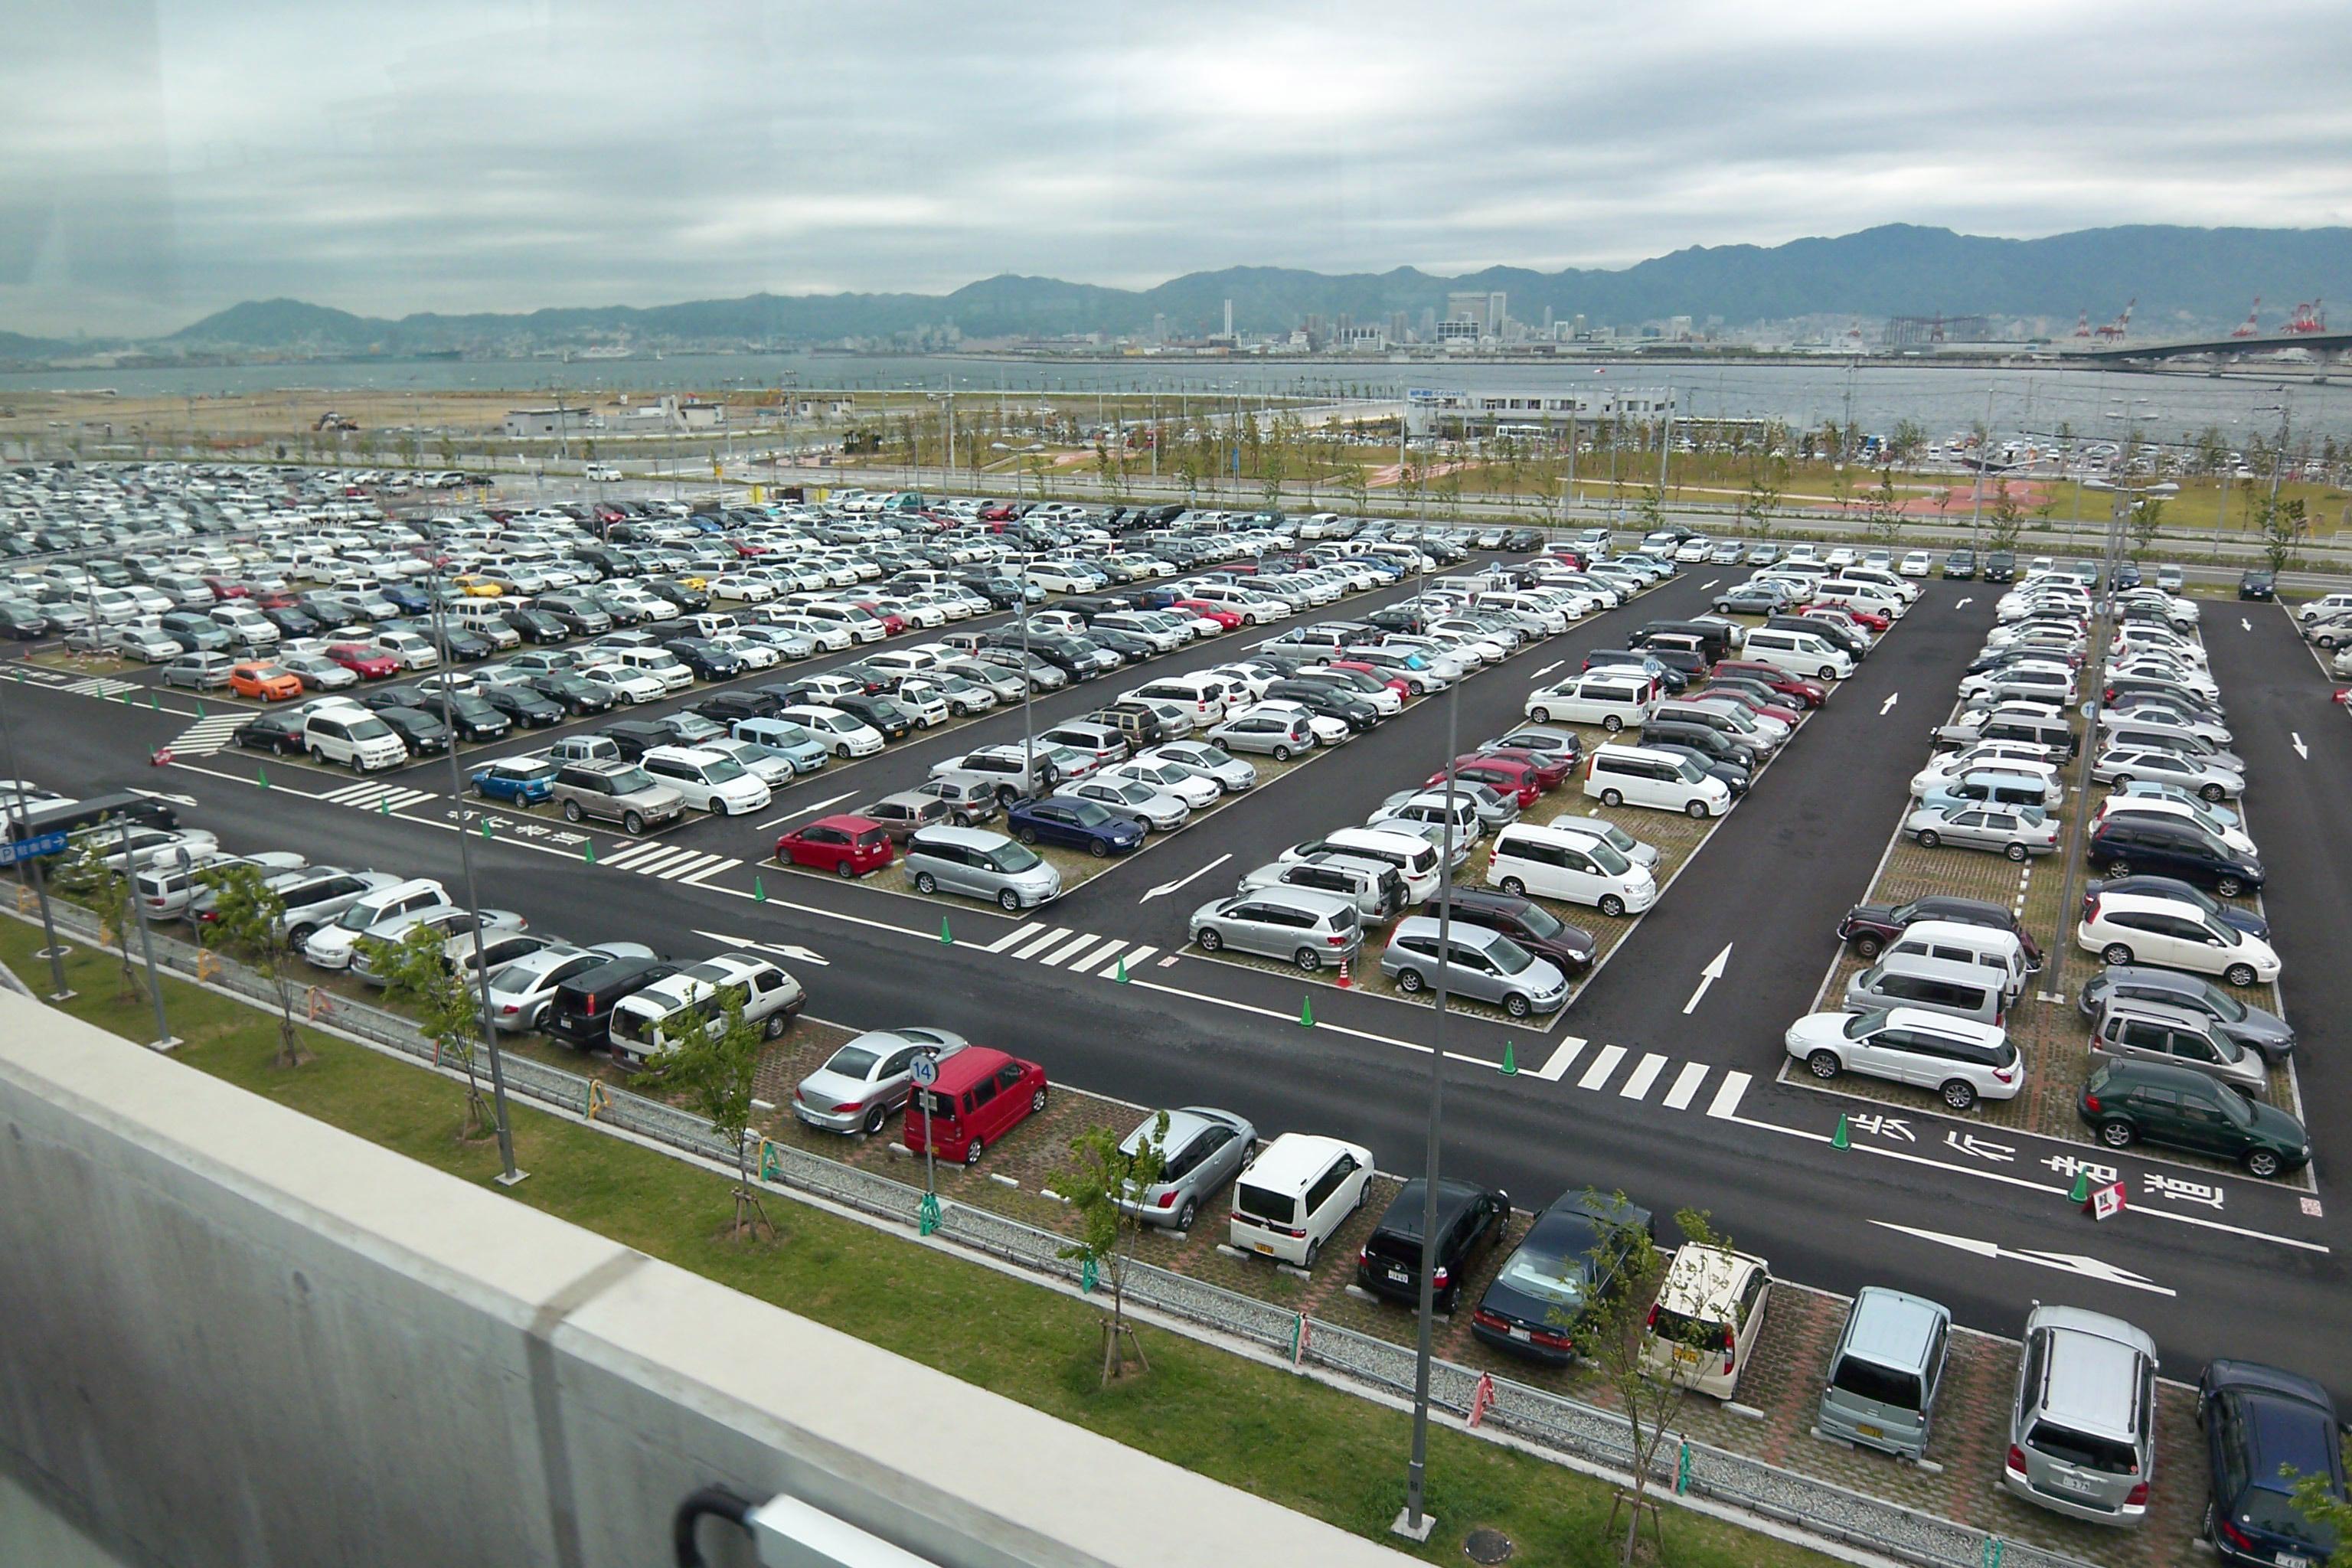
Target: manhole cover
x,y
1487,1546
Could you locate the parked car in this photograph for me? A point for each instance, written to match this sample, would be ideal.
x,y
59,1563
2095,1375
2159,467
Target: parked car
x,y
1300,1189
1471,1220
2017,832
1201,1149
1709,1319
1885,1371
2081,1426
2250,1027
2173,934
2126,1102
979,1097
616,791
1482,964
846,845
2263,1427
1075,824
1565,1266
523,781
1304,926
869,1079
1958,1059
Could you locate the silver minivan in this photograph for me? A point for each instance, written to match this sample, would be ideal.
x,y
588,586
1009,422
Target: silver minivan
x,y
979,864
1938,984
1309,928
1485,965
2082,1433
1887,1372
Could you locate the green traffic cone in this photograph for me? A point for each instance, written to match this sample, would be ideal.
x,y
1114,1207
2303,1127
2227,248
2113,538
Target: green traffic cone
x,y
261,777
200,707
384,806
2082,1193
1510,1062
759,891
1838,1140
1121,976
588,853
1307,1012
485,827
154,702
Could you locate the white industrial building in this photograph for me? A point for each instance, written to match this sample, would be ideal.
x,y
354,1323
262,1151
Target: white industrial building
x,y
1436,412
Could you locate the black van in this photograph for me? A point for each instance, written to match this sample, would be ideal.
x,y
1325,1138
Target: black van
x,y
580,1015
71,816
1714,635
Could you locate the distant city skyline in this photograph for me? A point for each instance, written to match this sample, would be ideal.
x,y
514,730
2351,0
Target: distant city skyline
x,y
164,159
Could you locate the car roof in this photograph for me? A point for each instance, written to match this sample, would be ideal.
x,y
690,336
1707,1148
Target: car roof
x,y
1944,1023
968,838
1893,1327
1683,1289
1403,1216
1292,1157
1313,900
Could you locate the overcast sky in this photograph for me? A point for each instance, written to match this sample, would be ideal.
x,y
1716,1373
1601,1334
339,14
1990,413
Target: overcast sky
x,y
160,160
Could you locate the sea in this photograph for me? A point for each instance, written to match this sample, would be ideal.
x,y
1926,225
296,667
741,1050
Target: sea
x,y
2015,402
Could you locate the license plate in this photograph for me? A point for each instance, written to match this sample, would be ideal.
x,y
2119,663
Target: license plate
x,y
1262,1247
1687,1355
2293,1560
1397,1275
1522,1336
1869,1431
2073,1484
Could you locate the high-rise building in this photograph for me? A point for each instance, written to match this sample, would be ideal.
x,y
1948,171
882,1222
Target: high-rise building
x,y
1495,315
1466,307
1398,331
1229,319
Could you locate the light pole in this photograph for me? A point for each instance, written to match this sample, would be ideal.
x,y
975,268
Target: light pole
x,y
509,1176
163,1040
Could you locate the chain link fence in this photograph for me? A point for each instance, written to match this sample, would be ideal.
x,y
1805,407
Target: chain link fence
x,y
1547,1420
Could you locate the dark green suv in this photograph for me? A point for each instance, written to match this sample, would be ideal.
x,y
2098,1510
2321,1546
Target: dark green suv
x,y
2181,1108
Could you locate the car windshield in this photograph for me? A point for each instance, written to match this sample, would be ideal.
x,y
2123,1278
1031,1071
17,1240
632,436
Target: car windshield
x,y
1089,814
1691,772
1544,1269
724,770
369,729
1508,956
2272,1510
1012,859
852,1061
1861,1024
1606,857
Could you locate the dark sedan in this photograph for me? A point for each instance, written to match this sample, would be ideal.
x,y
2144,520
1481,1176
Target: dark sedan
x,y
278,732
2258,585
2263,1427
877,713
706,658
522,705
573,694
1075,824
1571,1255
421,733
729,708
1868,927
635,737
1529,924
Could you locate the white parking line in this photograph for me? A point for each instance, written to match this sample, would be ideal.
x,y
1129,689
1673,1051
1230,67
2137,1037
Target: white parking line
x,y
1134,961
803,811
1725,1103
1564,1057
1602,1065
1686,1086
1645,1073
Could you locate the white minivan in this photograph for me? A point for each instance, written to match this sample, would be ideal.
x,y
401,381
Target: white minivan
x,y
1552,864
1611,698
1205,698
1639,775
710,781
352,737
1797,653
843,734
1300,1189
660,663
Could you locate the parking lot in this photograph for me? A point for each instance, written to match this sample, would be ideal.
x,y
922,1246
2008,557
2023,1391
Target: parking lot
x,y
1663,1074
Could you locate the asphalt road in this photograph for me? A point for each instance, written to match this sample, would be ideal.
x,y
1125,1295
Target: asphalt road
x,y
1984,1235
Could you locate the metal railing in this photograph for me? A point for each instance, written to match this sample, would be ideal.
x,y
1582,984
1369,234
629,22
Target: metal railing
x,y
1568,1426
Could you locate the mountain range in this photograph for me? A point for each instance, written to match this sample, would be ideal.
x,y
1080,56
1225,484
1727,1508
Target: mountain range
x,y
2183,279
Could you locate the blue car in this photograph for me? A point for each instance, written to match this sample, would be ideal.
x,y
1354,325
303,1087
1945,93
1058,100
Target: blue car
x,y
2258,1421
1075,824
411,601
521,781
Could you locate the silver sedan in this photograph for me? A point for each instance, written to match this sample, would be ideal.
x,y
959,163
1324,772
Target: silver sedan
x,y
1154,808
2014,831
867,1081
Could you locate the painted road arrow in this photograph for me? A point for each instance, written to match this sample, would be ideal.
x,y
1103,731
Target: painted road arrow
x,y
785,949
1546,669
1708,976
1888,706
2244,624
1166,888
1963,604
2300,750
2063,1262
186,800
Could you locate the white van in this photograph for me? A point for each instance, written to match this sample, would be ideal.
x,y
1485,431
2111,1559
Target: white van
x,y
660,663
1994,949
710,781
1799,653
1414,857
1872,596
1553,863
353,738
1613,699
248,628
111,607
1553,619
1205,698
485,618
1300,1189
411,651
843,734
1638,776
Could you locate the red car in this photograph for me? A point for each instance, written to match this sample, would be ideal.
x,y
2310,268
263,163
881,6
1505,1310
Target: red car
x,y
1395,683
1551,769
1504,778
997,511
1201,609
1811,693
892,623
1828,609
845,844
364,662
227,588
979,1097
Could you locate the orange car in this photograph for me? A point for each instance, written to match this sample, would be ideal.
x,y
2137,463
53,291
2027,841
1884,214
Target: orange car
x,y
269,682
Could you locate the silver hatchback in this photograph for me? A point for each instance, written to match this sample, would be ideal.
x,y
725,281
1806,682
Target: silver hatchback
x,y
1202,1150
869,1079
1486,966
2081,1434
981,864
1310,928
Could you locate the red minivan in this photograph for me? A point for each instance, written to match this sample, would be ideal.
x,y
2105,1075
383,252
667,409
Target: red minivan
x,y
980,1094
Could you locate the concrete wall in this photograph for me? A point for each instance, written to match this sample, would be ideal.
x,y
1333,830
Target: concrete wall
x,y
231,1335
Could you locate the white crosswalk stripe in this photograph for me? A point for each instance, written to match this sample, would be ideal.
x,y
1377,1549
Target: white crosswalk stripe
x,y
1602,1065
1686,1086
1637,1084
1044,940
1102,954
101,686
1085,941
378,796
702,877
206,736
699,864
1018,934
633,856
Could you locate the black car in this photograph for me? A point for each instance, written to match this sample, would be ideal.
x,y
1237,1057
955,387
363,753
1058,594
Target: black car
x,y
1569,1257
1470,1221
635,737
879,713
422,733
689,601
383,699
1961,564
1670,679
2000,567
464,645
1528,923
278,732
874,680
1399,619
622,612
1127,645
2258,585
1837,636
293,623
536,625
1712,746
573,694
1868,927
706,658
731,707
522,705
2170,846
22,623
2263,1427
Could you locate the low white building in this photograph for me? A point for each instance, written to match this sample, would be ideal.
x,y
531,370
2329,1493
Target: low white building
x,y
1430,411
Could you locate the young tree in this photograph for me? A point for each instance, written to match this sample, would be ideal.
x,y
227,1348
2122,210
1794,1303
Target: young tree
x,y
1762,499
92,876
1618,1280
418,975
249,923
715,1072
1102,1172
1273,468
1882,511
1357,486
2146,520
2007,520
2284,524
2316,1499
1909,439
1650,508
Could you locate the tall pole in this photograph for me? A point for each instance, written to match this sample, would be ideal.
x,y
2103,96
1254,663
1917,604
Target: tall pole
x,y
510,1175
163,1040
31,866
1975,491
1413,1524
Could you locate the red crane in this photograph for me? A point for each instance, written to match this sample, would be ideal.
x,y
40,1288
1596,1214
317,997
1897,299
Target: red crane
x,y
2309,317
2250,326
2082,325
2114,331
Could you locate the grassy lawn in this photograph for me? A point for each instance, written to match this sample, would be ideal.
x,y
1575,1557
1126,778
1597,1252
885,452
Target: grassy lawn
x,y
1283,1437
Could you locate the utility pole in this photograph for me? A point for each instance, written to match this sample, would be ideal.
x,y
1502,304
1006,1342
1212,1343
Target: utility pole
x,y
30,867
1975,491
163,1038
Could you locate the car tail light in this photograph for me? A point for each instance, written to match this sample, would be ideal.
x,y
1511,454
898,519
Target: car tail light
x,y
2139,1497
1730,1348
1439,1279
509,1009
2090,910
1337,940
2230,1534
1650,1323
1364,1256
2091,1103
1167,1199
2017,1459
